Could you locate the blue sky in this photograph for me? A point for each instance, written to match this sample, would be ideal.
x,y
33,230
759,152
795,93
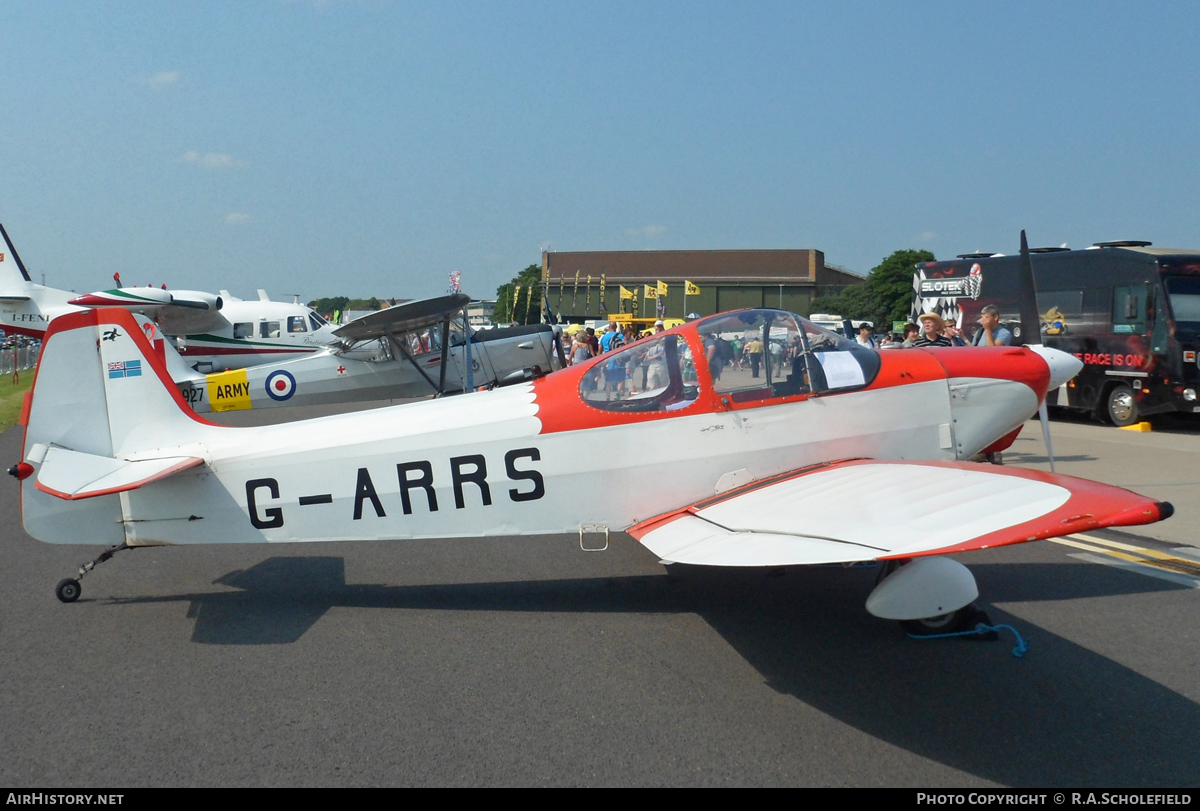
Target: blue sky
x,y
369,148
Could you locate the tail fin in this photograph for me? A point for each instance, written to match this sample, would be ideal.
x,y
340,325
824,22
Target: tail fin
x,y
103,389
173,362
103,394
13,275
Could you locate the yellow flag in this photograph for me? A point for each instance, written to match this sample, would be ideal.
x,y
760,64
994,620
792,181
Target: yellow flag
x,y
690,289
651,292
625,294
662,287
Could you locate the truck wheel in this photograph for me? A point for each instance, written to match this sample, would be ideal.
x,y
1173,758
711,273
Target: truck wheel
x,y
1122,408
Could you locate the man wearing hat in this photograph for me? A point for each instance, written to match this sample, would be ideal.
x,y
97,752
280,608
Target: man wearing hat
x,y
932,326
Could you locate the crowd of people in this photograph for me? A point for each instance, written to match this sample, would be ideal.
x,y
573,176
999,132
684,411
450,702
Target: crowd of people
x,y
932,330
587,343
17,341
736,354
936,331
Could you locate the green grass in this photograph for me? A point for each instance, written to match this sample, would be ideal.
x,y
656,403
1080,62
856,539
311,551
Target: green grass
x,y
11,398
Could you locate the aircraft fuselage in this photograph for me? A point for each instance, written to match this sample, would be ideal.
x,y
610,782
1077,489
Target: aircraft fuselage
x,y
530,458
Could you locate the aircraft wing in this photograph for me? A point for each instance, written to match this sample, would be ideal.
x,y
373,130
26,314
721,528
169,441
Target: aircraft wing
x,y
861,509
180,318
412,315
178,312
72,475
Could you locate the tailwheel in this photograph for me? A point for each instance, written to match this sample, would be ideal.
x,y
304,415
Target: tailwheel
x,y
68,590
964,619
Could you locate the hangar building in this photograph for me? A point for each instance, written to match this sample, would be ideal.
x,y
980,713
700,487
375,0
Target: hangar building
x,y
727,280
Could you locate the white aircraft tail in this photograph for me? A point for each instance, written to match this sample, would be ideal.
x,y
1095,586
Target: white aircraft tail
x,y
104,418
13,276
28,307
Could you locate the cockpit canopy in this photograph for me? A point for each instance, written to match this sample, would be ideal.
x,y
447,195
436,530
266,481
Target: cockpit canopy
x,y
748,355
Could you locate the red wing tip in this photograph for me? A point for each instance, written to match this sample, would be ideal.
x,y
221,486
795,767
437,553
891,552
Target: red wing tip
x,y
1146,513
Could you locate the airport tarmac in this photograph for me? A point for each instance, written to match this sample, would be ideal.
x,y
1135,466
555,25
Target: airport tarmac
x,y
526,661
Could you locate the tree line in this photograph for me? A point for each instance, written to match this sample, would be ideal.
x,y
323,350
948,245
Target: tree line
x,y
327,306
884,297
529,304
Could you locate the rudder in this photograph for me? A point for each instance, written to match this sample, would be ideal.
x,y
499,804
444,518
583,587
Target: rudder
x,y
100,390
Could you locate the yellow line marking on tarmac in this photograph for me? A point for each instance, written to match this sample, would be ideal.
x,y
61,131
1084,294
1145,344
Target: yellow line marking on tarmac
x,y
1140,555
1154,553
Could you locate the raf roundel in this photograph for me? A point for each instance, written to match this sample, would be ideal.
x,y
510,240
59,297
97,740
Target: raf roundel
x,y
280,385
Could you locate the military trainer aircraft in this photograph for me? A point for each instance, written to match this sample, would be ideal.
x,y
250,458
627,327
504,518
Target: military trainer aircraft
x,y
410,350
828,453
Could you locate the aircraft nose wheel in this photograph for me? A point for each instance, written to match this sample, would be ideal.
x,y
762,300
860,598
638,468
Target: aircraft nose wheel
x,y
68,590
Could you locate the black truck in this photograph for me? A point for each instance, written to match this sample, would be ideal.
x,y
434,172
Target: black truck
x,y
1129,311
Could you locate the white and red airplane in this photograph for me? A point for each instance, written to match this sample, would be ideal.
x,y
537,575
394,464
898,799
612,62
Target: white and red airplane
x,y
211,332
830,453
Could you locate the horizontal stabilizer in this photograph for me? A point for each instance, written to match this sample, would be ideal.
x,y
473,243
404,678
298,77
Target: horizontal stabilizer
x,y
135,298
72,475
860,510
178,312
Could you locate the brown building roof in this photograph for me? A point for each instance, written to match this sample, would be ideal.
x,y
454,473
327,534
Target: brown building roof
x,y
768,266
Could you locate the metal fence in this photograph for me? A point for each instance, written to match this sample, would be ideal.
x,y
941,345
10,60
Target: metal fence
x,y
16,360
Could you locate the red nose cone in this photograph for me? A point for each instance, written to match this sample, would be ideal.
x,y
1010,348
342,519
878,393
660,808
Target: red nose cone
x,y
21,471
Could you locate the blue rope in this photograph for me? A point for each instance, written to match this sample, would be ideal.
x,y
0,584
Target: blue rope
x,y
981,628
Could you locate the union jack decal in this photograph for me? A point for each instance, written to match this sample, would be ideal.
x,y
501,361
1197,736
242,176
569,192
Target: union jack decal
x,y
125,368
